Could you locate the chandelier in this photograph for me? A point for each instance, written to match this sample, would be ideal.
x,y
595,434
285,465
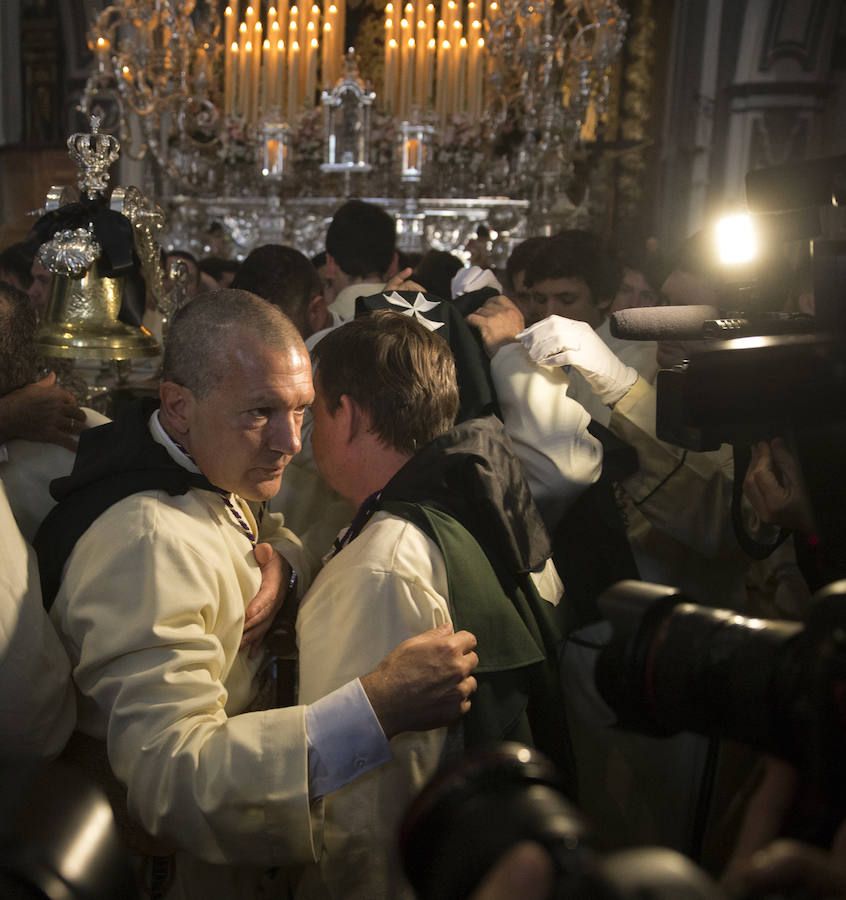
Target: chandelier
x,y
257,99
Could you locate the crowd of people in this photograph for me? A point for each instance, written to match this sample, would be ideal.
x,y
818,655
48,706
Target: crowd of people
x,y
416,478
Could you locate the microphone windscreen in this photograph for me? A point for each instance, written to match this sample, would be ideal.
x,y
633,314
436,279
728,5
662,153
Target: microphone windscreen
x,y
662,323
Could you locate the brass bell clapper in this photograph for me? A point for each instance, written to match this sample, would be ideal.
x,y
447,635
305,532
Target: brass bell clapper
x,y
91,246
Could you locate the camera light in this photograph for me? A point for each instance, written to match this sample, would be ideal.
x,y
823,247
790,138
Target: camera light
x,y
736,240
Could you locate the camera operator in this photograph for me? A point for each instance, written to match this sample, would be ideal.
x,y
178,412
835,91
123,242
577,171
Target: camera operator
x,y
774,485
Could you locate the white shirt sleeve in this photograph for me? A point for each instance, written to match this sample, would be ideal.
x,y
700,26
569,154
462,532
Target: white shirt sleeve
x,y
547,428
345,739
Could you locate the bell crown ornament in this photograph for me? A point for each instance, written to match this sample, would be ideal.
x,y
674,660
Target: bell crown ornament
x,y
93,154
91,246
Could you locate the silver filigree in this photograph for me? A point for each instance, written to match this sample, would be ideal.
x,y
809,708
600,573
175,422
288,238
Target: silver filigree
x,y
70,253
93,153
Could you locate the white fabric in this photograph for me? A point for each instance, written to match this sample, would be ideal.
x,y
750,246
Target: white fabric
x,y
344,303
473,278
547,428
151,612
387,585
28,470
37,702
556,341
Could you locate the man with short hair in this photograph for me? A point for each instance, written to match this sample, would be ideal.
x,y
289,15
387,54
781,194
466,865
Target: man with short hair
x,y
158,524
576,274
361,254
515,273
445,530
284,277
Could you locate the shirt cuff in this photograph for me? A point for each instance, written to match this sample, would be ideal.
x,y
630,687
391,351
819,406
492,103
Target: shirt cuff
x,y
345,739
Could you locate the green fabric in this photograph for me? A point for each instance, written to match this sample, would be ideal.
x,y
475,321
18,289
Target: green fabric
x,y
519,694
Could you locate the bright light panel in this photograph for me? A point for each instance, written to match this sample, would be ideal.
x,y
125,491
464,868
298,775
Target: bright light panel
x,y
736,241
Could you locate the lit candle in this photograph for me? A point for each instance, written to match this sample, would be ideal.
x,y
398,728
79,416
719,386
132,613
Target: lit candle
x,y
430,22
280,77
250,18
412,149
244,71
325,50
390,73
406,54
311,75
229,69
293,78
102,52
282,21
442,83
255,75
421,45
461,98
238,98
480,81
229,20
428,74
266,77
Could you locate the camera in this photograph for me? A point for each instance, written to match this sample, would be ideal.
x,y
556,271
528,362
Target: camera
x,y
776,686
475,810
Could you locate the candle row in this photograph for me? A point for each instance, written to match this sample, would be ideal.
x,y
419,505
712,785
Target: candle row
x,y
435,66
273,66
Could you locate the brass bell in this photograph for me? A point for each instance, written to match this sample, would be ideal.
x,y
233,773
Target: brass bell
x,y
82,320
82,312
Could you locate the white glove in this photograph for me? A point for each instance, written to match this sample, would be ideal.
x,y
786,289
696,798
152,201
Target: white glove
x,y
556,341
473,279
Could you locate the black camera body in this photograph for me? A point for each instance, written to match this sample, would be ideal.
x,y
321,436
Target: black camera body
x,y
753,388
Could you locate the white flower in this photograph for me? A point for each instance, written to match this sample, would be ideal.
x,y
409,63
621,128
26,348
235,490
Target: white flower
x,y
415,310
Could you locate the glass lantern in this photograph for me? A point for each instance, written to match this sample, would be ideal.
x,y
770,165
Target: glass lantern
x,y
347,109
273,148
415,150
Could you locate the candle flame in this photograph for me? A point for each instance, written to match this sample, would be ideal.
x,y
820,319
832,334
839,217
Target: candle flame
x,y
266,44
233,47
227,11
295,46
432,43
315,42
411,43
248,46
243,28
392,43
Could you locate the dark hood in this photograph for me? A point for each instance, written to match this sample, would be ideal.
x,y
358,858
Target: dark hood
x,y
113,461
472,474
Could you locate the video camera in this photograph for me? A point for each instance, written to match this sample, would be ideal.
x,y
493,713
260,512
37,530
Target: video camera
x,y
768,374
765,370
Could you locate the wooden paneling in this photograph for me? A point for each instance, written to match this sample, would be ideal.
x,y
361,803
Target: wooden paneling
x,y
26,174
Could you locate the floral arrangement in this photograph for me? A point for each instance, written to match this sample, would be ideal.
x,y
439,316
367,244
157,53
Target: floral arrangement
x,y
307,138
237,142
